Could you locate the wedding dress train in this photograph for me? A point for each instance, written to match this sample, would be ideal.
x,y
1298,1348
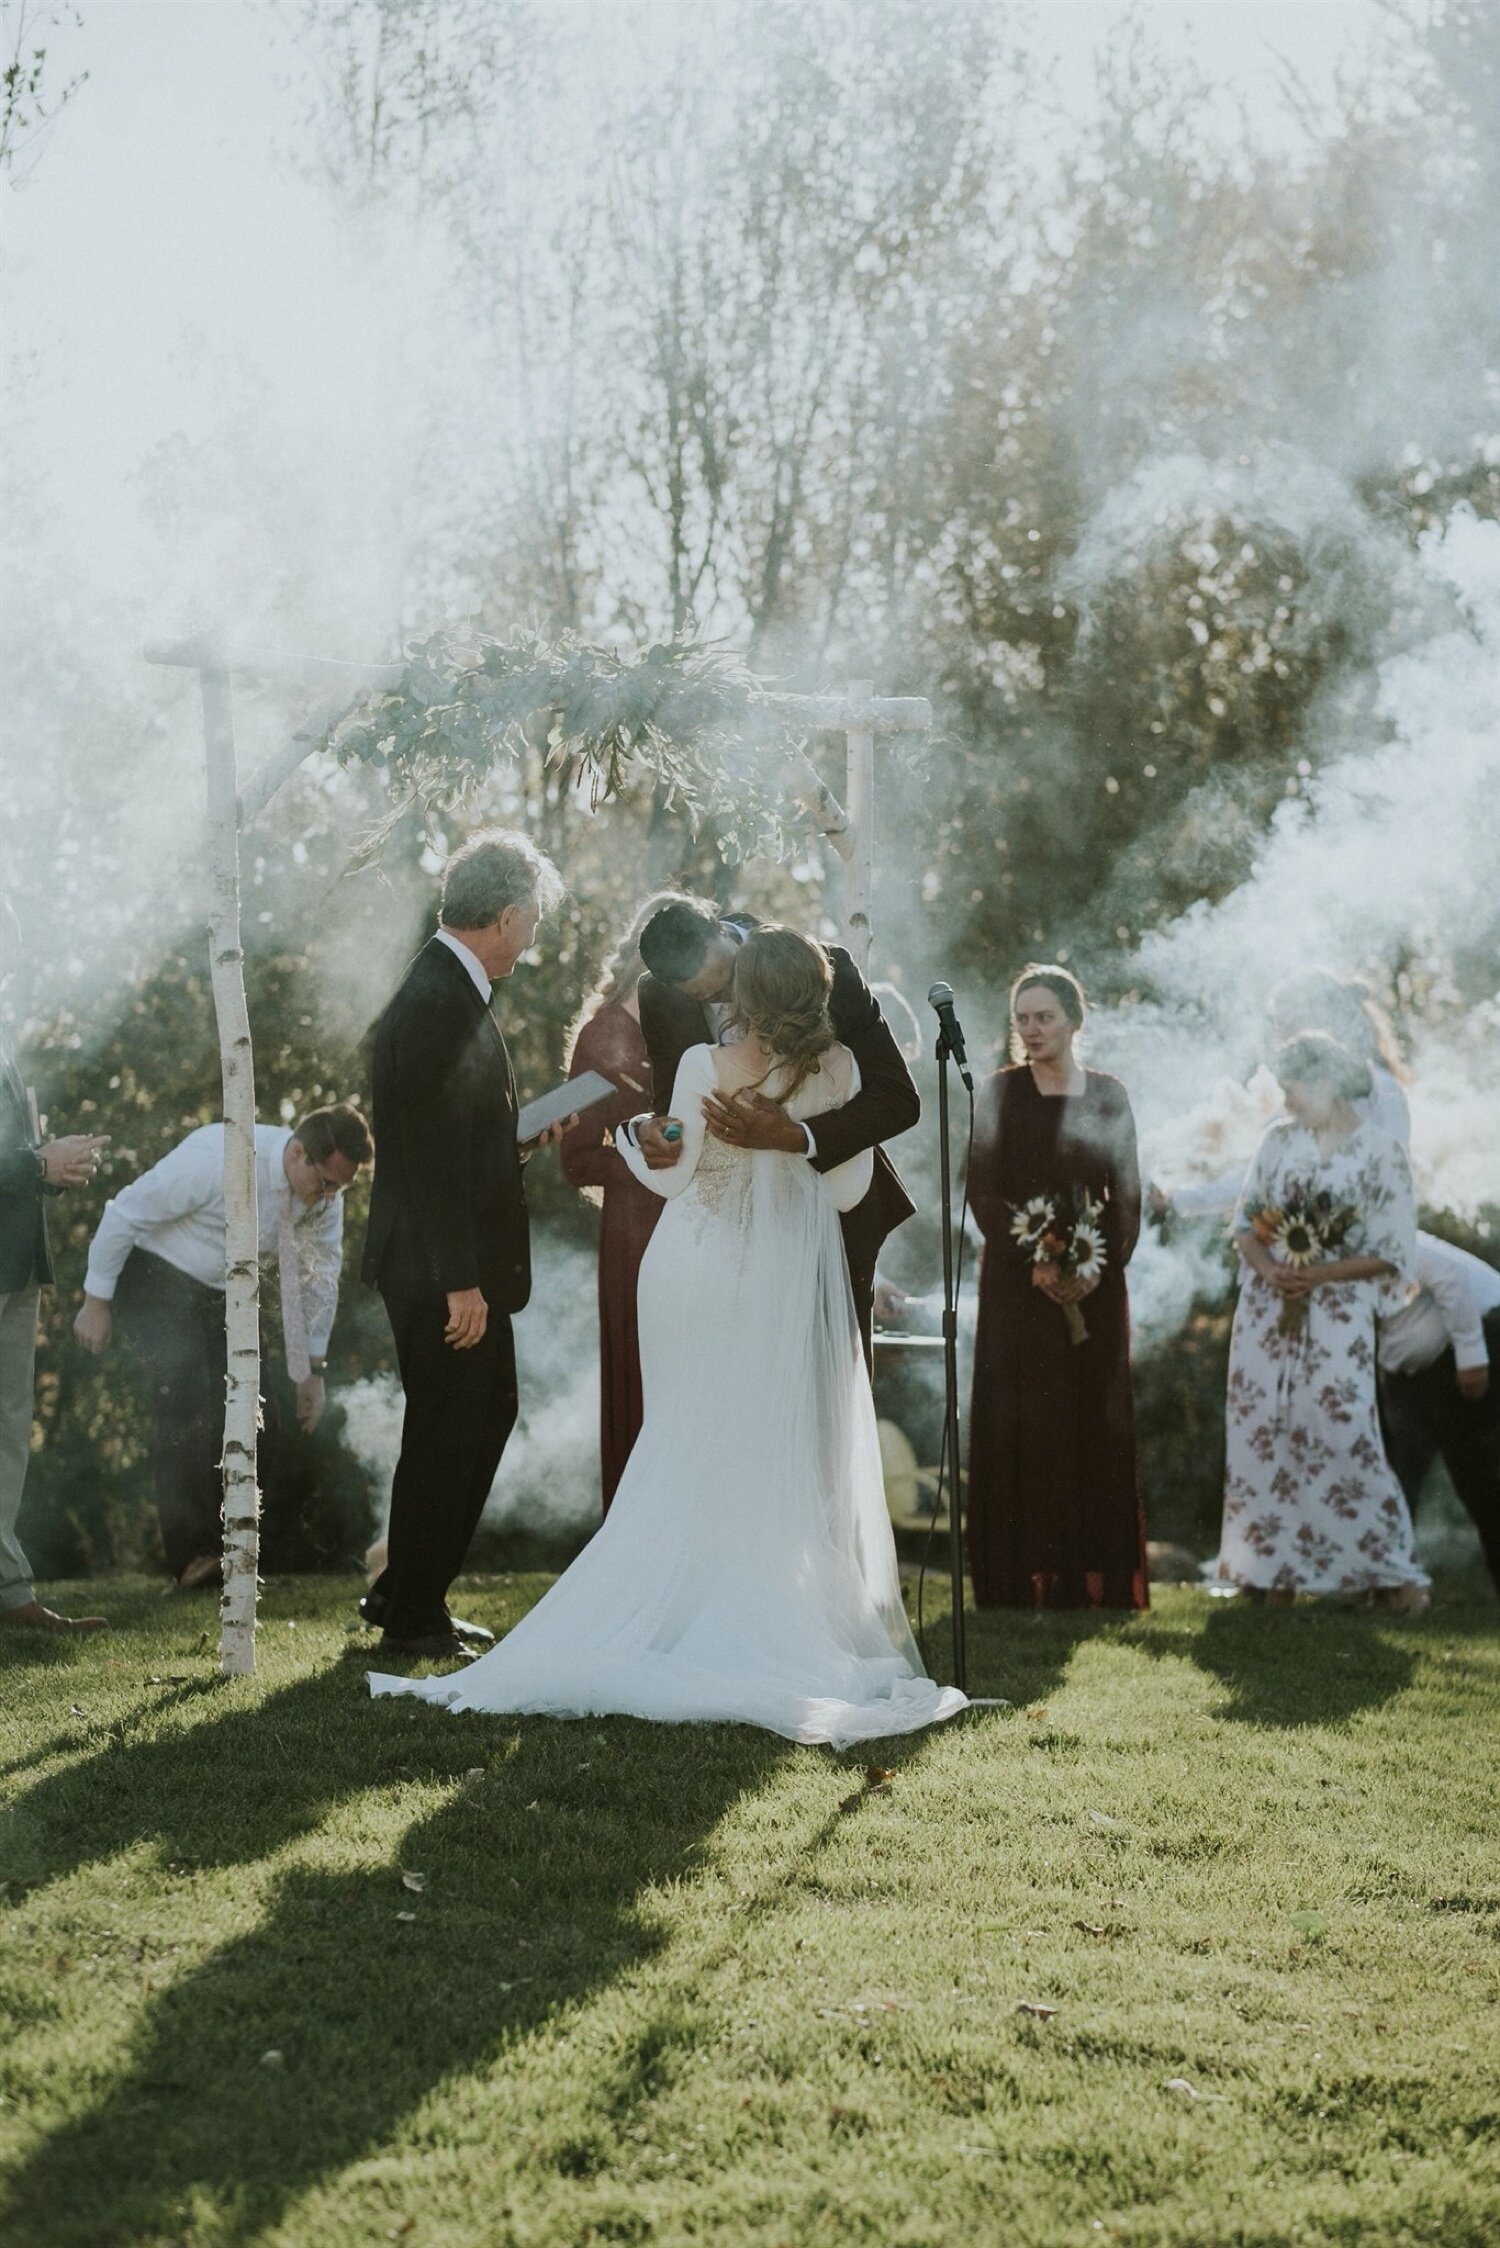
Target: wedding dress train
x,y
746,1570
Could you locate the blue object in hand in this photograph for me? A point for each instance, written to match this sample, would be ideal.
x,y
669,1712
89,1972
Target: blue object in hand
x,y
671,1132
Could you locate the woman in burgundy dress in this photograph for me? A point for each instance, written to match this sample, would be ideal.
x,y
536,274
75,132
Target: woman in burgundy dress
x,y
609,1039
1054,1511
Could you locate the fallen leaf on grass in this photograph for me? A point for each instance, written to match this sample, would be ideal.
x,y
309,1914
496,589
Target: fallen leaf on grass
x,y
273,2059
1102,1818
475,1772
406,1916
1037,2012
877,1777
1041,1713
416,1882
1191,2092
77,1710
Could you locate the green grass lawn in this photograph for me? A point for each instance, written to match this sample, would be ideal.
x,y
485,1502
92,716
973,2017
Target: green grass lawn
x,y
285,1965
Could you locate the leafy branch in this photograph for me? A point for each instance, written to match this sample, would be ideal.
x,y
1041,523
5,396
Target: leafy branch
x,y
688,721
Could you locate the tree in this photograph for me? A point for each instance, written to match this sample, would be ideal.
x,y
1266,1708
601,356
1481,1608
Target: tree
x,y
30,97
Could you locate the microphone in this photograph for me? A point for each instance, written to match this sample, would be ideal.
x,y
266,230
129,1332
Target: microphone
x,y
940,999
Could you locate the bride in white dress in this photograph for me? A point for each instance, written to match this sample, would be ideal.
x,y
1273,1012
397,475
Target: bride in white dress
x,y
746,1569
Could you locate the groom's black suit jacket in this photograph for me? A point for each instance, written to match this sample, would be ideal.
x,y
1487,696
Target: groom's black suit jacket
x,y
886,1104
448,1206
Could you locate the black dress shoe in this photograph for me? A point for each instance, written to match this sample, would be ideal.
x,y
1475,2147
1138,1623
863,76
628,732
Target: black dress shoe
x,y
475,1633
433,1644
374,1605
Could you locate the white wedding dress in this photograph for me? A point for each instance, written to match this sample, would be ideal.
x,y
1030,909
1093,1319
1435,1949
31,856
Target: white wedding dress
x,y
746,1569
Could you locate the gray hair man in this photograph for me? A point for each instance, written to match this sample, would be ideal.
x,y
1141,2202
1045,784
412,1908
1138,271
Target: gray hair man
x,y
448,1244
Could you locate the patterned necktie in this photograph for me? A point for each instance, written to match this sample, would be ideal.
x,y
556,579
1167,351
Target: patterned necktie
x,y
293,1323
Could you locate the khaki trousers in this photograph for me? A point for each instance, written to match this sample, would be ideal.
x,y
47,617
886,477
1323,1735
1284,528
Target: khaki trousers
x,y
17,1391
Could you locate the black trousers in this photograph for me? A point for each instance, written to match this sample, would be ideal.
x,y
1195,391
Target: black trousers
x,y
1426,1417
461,1406
176,1327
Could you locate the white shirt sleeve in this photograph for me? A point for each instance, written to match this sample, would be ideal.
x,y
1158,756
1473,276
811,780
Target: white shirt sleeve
x,y
322,1262
1441,1271
849,1183
172,1189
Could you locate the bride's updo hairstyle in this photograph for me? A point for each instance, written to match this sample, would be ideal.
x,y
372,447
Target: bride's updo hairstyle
x,y
1064,987
1316,1059
781,985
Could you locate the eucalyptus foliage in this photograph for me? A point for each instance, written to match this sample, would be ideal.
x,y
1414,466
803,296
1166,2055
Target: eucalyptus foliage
x,y
688,722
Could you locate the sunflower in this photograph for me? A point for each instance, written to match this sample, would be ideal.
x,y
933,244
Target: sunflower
x,y
1297,1241
1087,1258
1031,1221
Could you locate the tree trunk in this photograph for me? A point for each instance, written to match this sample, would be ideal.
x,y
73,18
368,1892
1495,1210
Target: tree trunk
x,y
242,1226
859,799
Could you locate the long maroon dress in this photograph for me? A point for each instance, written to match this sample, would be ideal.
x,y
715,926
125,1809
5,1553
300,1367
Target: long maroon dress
x,y
611,1042
1054,1510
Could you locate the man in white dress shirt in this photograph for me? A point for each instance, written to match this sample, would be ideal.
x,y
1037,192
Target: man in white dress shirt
x,y
159,1258
1439,1393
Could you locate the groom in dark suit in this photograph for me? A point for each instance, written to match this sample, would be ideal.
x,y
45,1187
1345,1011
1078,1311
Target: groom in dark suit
x,y
690,952
448,1244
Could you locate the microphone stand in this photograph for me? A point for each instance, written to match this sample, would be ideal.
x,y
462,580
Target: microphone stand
x,y
950,1364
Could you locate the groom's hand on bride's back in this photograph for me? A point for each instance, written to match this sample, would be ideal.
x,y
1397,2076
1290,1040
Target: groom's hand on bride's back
x,y
468,1316
752,1120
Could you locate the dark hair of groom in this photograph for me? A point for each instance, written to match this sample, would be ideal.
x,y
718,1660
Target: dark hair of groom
x,y
675,941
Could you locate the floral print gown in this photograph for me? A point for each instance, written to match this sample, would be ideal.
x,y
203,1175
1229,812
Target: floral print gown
x,y
1311,1503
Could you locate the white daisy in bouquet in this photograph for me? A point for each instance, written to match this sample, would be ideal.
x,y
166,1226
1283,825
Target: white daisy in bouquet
x,y
1032,1219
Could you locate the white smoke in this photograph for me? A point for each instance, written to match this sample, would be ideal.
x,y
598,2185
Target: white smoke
x,y
1392,851
549,1477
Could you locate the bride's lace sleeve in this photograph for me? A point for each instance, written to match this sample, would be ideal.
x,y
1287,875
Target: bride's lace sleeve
x,y
849,1183
695,1078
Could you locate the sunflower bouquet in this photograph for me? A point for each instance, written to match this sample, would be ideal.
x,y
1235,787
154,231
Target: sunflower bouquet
x,y
1071,1244
1301,1229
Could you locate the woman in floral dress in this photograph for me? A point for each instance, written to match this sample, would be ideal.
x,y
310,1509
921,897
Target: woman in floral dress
x,y
1310,1500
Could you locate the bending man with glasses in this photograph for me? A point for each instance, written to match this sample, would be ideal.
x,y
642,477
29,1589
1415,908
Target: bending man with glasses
x,y
159,1259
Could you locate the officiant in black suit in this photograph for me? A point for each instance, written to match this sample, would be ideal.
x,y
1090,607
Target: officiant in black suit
x,y
690,952
448,1244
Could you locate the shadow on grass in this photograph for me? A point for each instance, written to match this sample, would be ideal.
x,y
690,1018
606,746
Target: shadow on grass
x,y
1313,1664
1022,1655
1286,1667
533,1876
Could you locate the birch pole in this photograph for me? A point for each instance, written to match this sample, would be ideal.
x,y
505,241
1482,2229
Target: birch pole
x,y
242,1226
860,800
